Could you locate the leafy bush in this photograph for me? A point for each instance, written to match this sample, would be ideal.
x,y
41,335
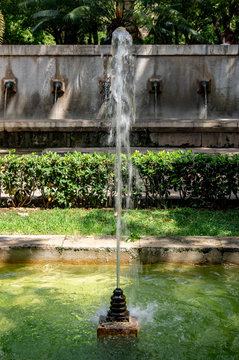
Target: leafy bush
x,y
77,179
19,178
155,173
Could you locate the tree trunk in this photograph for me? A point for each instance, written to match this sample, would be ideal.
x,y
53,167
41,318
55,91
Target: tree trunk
x,y
125,5
95,36
57,36
176,39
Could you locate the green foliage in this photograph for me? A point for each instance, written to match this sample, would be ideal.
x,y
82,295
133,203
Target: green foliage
x,y
88,22
183,221
71,21
87,180
75,179
155,172
167,22
19,178
188,21
133,237
18,24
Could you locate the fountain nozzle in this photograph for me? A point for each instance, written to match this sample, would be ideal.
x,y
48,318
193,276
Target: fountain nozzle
x,y
58,85
57,88
155,85
9,85
204,86
118,321
118,310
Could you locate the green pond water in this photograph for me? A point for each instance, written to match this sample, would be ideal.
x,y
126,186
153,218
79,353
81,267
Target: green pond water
x,y
185,312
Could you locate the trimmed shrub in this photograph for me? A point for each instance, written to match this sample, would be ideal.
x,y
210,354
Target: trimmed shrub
x,y
77,179
19,178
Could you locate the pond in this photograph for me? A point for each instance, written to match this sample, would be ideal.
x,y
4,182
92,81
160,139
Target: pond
x,y
51,311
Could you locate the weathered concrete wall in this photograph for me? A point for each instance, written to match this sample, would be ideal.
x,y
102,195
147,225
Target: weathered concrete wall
x,y
82,67
65,133
92,250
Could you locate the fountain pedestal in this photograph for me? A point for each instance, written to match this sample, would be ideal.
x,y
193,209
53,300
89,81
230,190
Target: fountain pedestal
x,y
118,322
117,328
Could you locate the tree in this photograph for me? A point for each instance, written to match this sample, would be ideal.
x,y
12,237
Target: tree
x,y
165,22
222,15
73,21
86,21
18,24
57,17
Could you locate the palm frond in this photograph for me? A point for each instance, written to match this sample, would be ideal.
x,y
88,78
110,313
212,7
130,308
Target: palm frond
x,y
46,14
2,27
40,25
27,3
76,14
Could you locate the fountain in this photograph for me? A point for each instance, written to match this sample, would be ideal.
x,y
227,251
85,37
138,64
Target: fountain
x,y
9,87
58,88
178,108
204,89
122,114
154,85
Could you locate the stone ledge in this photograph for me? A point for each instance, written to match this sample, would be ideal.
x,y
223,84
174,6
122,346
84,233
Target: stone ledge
x,y
143,150
99,50
89,250
162,125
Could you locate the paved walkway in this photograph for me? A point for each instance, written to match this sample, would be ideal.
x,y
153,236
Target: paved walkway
x,y
89,250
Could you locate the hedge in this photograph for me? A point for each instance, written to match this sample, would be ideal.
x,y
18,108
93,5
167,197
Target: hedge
x,y
77,179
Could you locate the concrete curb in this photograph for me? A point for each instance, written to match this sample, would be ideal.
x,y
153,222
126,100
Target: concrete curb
x,y
93,250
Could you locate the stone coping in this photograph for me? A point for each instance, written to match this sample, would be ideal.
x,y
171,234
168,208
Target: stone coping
x,y
105,50
213,125
95,250
143,150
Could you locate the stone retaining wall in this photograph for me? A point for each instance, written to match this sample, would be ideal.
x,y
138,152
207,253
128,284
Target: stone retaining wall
x,y
91,250
178,116
82,67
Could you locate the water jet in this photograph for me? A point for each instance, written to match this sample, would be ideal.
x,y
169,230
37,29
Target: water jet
x,y
58,88
204,87
121,111
155,87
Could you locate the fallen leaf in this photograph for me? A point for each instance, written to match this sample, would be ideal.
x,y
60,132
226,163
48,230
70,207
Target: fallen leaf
x,y
116,213
166,220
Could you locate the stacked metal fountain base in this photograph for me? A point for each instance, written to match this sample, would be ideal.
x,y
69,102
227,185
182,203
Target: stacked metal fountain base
x,y
118,322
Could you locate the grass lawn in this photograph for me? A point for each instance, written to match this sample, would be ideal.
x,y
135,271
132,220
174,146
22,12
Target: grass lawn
x,y
177,221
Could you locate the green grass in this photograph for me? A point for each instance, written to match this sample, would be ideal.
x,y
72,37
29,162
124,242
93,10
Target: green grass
x,y
171,222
